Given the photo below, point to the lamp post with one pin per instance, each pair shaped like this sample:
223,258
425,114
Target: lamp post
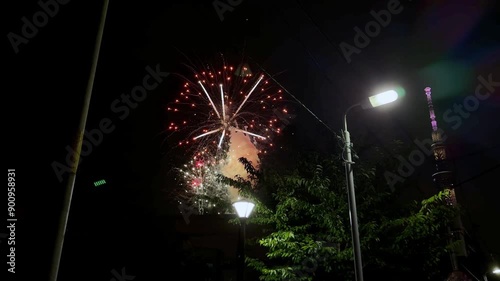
373,101
244,209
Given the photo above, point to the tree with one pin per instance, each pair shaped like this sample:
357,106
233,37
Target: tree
304,216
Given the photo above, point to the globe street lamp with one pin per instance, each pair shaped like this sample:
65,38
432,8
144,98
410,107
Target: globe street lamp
373,101
244,209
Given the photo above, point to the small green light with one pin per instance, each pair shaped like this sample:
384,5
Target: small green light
98,183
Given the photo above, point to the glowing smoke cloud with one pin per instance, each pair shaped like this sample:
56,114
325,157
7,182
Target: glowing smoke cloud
240,145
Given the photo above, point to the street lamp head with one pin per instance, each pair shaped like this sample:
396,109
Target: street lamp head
383,98
243,208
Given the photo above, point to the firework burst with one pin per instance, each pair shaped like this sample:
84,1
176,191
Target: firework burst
217,102
222,114
202,185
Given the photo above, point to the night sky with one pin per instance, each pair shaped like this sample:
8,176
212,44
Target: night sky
448,46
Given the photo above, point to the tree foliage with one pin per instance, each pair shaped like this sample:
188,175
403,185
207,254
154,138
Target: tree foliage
304,216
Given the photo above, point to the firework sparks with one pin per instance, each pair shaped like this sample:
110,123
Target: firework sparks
226,123
225,113
198,171
204,189
218,102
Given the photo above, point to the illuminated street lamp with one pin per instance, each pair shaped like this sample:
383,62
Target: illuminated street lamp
494,271
244,209
373,101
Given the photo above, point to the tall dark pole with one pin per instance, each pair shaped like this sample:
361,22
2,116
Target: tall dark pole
77,146
241,256
353,213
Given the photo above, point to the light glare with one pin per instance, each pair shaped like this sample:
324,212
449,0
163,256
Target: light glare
383,98
243,208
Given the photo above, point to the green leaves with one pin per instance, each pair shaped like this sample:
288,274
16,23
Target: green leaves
306,233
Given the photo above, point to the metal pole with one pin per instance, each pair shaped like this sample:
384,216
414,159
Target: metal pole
241,256
77,146
243,225
353,214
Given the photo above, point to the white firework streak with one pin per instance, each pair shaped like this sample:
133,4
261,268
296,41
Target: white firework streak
225,125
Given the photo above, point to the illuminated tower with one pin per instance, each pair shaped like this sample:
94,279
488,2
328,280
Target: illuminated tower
444,180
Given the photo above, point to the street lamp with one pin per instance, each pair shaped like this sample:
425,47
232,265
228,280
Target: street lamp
494,271
373,101
244,209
